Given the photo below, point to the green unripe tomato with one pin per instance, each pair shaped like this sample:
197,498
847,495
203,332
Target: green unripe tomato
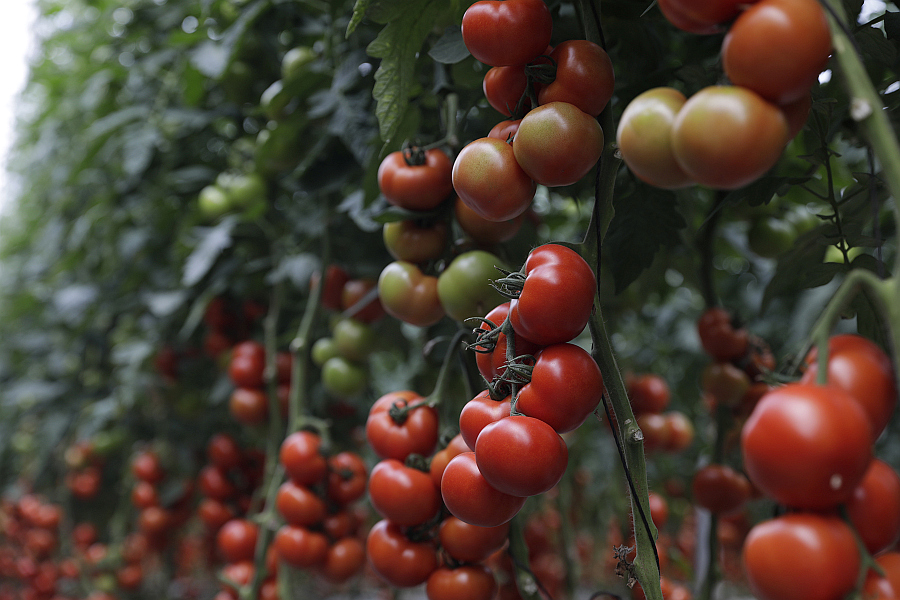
323,349
246,191
770,237
409,294
294,61
353,339
343,379
411,242
464,287
274,101
213,202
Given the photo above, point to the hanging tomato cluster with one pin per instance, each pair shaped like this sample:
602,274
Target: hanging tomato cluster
809,447
553,96
727,136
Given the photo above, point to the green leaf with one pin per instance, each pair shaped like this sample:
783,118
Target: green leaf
644,222
213,240
398,45
801,268
449,49
359,11
212,58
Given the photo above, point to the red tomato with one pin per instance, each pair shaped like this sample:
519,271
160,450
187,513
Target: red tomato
584,77
801,556
236,540
472,582
565,387
681,431
557,297
488,178
471,543
415,186
492,363
224,452
214,483
249,406
416,434
777,48
335,279
557,144
479,412
513,32
724,384
346,477
648,393
504,87
300,547
396,559
704,16
440,459
862,369
645,138
521,456
505,130
726,137
470,498
720,489
352,297
302,459
807,446
248,361
299,505
482,231
143,494
874,507
403,495
719,338
410,295
345,558
887,587
214,513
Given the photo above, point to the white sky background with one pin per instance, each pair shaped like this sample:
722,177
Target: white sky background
17,44
16,41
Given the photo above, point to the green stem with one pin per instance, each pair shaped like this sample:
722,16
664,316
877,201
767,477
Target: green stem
866,107
518,553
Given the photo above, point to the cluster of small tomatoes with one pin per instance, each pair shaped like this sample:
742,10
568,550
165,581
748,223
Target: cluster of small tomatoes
727,136
553,96
664,430
248,402
810,448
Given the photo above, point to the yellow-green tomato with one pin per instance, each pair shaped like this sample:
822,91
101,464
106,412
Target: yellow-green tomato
342,378
294,62
465,287
409,294
323,349
213,202
353,339
413,242
770,237
645,138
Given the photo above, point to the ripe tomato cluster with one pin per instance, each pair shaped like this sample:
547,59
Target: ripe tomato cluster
727,136
553,96
667,431
809,447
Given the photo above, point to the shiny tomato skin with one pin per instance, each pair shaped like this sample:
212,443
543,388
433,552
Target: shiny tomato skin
720,489
410,295
726,137
777,48
470,543
861,368
482,231
807,446
521,456
504,86
249,406
347,477
887,587
711,15
680,19
470,498
396,559
300,547
488,178
874,507
479,412
505,130
584,77
299,505
648,393
302,459
565,387
801,556
236,540
346,557
442,458
513,32
557,144
403,495
418,434
557,297
415,187
644,137
492,363
472,582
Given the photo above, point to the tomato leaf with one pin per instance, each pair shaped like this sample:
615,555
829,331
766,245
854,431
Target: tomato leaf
213,240
359,11
398,45
449,49
801,268
645,221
